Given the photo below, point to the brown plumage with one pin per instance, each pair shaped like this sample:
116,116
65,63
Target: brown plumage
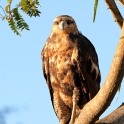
71,70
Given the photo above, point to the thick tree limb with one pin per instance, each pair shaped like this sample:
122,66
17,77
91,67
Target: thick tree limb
115,12
116,117
103,99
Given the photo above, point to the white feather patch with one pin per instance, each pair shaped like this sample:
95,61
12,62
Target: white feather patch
74,55
94,66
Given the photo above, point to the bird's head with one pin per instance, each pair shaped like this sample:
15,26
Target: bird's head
64,24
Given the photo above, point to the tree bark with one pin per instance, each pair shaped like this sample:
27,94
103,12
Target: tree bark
116,117
121,2
115,12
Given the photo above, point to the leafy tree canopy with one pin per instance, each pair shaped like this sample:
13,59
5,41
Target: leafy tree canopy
15,19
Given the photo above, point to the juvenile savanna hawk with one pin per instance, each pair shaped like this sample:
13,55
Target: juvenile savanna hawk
70,67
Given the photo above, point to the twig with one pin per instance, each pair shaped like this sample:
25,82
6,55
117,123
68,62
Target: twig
121,2
3,10
115,12
1,16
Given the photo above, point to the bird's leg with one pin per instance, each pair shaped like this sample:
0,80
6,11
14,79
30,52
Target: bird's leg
75,99
62,111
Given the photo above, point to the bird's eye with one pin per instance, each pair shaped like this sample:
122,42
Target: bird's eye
69,22
56,23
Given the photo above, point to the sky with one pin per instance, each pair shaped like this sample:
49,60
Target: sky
23,89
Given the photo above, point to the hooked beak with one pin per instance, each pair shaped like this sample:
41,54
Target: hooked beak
63,25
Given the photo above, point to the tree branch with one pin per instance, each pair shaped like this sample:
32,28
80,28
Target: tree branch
93,109
121,2
116,117
115,12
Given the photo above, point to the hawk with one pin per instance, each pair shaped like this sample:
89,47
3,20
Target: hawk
70,67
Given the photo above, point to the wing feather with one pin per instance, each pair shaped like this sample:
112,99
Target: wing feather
45,68
87,64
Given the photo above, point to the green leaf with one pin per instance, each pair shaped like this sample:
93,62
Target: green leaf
31,1
119,88
29,7
3,18
15,19
9,1
33,7
7,8
19,21
13,26
95,9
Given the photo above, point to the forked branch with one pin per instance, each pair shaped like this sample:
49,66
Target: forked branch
92,110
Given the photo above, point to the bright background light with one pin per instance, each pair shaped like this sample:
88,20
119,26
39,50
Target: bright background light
22,85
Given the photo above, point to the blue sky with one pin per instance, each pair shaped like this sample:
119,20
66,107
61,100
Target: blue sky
22,85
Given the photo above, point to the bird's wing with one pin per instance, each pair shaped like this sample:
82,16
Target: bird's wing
45,67
88,68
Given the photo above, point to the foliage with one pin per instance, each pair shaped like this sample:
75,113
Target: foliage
29,7
95,9
15,19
